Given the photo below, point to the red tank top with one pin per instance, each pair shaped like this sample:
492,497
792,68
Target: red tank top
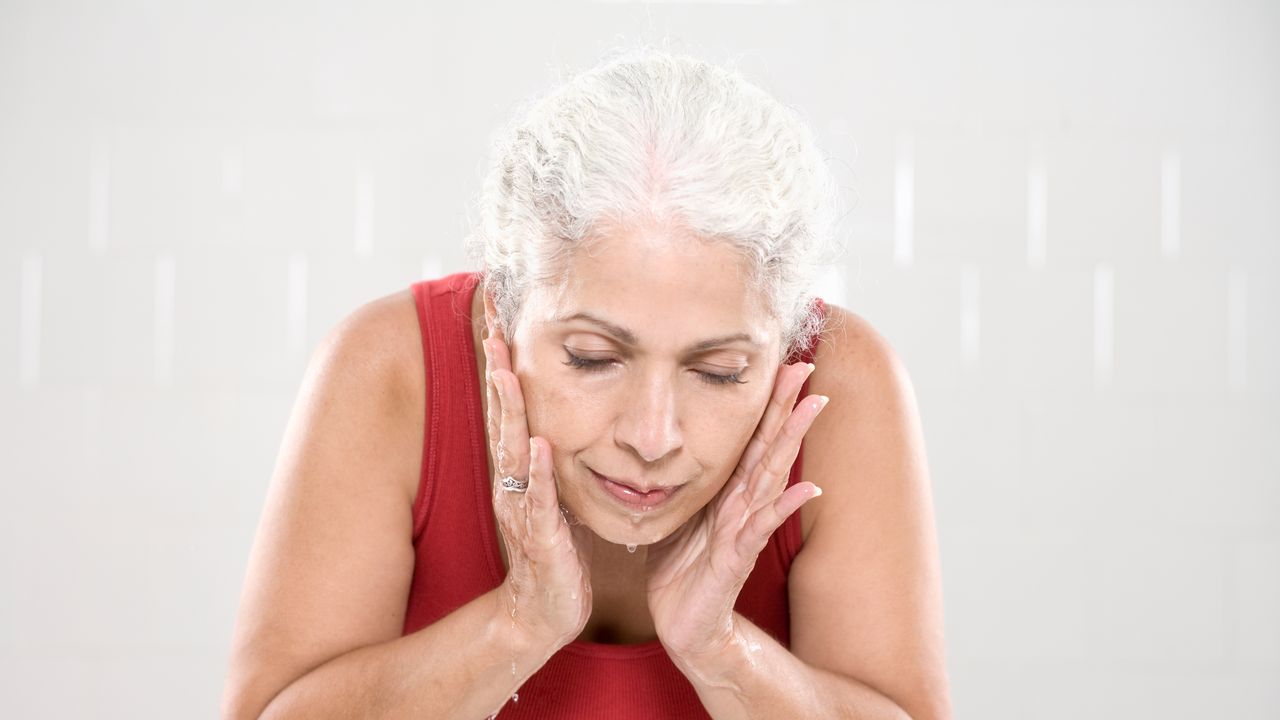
456,542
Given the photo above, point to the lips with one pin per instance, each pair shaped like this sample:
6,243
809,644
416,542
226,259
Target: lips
633,486
632,496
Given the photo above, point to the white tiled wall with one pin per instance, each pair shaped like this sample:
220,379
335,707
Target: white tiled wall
1065,218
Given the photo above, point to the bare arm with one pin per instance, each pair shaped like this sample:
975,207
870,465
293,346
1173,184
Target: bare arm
318,633
458,667
866,588
756,677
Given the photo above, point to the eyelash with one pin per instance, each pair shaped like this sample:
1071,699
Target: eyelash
591,365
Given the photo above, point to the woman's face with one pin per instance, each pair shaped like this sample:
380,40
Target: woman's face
652,366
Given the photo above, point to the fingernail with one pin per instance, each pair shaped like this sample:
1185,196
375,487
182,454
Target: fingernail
822,402
533,451
497,381
812,367
817,491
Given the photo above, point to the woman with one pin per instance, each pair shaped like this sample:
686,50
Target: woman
578,489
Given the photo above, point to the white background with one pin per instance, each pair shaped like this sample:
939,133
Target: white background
1065,220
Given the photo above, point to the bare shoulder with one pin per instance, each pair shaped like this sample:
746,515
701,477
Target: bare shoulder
865,590
382,340
851,345
857,367
385,333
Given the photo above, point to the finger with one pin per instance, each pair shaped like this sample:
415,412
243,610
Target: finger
768,518
507,512
514,432
775,466
501,352
494,405
781,403
544,506
504,504
508,500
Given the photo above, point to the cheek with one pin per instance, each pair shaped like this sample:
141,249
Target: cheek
554,413
720,434
560,412
732,414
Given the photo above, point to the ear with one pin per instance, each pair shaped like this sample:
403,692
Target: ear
490,313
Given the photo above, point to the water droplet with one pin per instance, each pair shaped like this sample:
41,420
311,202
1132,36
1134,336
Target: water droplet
569,517
631,548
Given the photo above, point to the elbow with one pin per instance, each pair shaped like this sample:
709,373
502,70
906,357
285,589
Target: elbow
236,706
939,709
245,700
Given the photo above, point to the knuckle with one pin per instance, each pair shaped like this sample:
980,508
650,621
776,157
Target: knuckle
503,458
768,519
792,428
775,462
779,401
539,499
515,396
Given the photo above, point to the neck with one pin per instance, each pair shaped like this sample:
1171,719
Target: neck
612,562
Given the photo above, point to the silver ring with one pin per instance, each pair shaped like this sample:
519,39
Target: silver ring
511,484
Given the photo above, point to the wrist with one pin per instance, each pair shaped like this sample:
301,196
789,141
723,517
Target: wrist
525,641
713,664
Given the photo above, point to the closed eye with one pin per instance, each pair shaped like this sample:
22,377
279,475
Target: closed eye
594,365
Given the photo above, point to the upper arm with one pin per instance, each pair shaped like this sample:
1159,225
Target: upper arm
332,560
865,589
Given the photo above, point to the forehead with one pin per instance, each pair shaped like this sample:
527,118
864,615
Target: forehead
669,288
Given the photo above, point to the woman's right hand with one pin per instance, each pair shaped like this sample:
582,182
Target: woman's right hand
547,591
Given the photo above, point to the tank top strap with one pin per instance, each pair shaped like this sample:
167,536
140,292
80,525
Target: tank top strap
456,559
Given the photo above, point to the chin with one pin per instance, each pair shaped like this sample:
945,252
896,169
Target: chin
621,525
611,516
621,531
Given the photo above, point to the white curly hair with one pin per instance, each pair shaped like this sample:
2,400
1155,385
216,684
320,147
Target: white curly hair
652,137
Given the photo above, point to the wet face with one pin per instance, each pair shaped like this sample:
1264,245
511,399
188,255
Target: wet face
651,367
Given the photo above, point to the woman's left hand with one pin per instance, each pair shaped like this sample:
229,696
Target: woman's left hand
695,575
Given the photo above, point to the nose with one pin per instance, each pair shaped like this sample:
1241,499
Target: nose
650,425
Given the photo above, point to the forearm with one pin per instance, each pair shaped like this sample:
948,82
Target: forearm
457,667
756,677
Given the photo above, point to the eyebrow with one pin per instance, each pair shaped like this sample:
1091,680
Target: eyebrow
629,338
